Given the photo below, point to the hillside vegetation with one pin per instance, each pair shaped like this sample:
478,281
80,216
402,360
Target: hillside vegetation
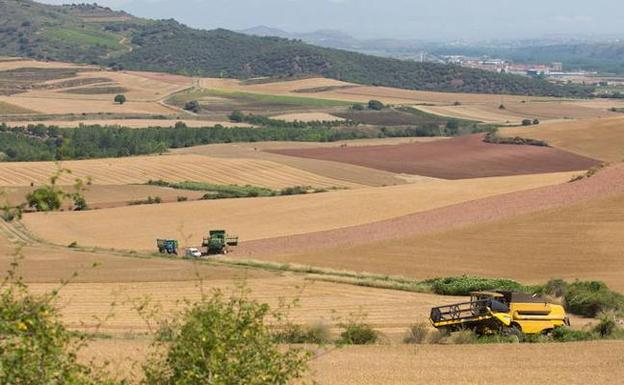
86,33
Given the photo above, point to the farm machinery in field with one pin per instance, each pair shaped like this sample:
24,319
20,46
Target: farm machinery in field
168,246
217,242
504,312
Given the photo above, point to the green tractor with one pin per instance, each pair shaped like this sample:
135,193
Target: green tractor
168,246
218,242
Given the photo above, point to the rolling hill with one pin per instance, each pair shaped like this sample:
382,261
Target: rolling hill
92,34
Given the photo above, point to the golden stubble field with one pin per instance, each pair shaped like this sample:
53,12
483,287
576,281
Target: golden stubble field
597,138
136,227
582,241
173,168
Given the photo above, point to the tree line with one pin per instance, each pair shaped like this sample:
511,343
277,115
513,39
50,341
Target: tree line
46,143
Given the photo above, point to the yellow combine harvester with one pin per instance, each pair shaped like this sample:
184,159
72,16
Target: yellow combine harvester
504,312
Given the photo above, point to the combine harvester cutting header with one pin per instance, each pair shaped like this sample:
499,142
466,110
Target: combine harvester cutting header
504,312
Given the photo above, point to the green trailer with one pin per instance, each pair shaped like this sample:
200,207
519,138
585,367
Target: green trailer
219,242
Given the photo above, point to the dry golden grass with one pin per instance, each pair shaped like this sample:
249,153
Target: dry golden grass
6,65
583,241
261,218
140,88
10,109
99,196
558,364
389,311
167,167
62,104
596,138
131,123
307,117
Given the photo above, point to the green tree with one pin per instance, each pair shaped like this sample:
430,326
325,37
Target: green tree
192,106
237,116
221,341
120,99
375,105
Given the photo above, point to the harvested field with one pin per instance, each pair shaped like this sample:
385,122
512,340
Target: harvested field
457,158
596,138
66,104
308,117
130,123
174,168
557,364
577,363
138,87
390,311
115,195
515,112
10,109
335,170
574,230
260,218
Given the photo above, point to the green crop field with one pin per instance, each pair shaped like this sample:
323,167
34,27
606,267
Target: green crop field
83,36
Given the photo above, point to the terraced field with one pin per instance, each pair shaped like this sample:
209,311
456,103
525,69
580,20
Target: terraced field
174,168
597,138
259,218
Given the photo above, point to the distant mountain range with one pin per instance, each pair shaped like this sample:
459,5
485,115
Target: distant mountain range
396,48
87,33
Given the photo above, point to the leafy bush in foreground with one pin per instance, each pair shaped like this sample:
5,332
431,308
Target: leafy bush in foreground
35,347
222,341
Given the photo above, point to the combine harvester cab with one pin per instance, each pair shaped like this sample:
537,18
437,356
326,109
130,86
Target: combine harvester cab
219,242
504,312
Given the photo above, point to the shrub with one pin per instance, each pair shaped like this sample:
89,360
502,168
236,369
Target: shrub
608,324
357,107
222,341
237,116
556,288
589,298
536,121
527,122
317,333
149,201
35,346
417,334
296,190
357,332
565,334
192,106
375,105
465,284
464,337
182,199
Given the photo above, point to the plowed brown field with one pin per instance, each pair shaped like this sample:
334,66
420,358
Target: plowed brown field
596,138
257,218
167,167
457,158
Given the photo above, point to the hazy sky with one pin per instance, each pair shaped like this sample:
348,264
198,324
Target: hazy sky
414,19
